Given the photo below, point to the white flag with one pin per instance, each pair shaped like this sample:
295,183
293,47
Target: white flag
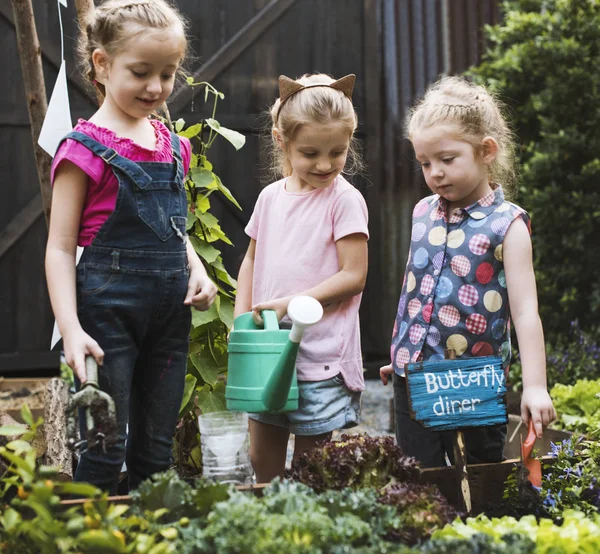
57,122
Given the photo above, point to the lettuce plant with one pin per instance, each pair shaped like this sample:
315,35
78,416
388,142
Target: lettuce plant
292,518
480,543
167,491
421,508
578,406
354,461
578,532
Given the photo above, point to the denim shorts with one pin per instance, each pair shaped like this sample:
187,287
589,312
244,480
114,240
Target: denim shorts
323,407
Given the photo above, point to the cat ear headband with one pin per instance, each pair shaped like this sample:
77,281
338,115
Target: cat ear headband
288,87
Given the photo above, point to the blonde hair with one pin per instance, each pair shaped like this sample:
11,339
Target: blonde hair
317,105
477,114
109,27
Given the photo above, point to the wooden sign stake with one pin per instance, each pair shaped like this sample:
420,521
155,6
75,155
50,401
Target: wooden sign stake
460,458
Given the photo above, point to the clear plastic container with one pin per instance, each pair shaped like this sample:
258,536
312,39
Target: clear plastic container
225,443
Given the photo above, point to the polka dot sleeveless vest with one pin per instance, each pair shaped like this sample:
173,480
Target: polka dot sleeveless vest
454,293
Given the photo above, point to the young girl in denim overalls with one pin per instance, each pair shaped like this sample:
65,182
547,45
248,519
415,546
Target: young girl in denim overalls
119,193
470,266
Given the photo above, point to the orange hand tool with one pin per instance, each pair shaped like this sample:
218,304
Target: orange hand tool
533,466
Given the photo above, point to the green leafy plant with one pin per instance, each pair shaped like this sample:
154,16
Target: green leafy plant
571,481
208,346
294,519
576,533
578,406
421,508
181,499
33,521
480,543
207,359
543,60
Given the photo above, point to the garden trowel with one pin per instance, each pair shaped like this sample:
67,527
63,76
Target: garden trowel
99,412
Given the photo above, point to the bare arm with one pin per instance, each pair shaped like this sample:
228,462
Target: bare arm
349,281
243,299
70,187
522,294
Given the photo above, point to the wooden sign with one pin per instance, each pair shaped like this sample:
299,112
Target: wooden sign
453,394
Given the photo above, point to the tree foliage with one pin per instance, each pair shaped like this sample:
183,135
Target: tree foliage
544,61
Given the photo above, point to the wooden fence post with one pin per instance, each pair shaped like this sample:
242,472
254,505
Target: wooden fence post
56,397
30,53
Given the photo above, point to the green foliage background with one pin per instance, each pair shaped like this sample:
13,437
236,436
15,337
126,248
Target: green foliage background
544,61
207,358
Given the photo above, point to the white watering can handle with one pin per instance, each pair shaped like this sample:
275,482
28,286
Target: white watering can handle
303,311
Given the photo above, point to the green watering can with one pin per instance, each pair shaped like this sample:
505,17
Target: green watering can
261,374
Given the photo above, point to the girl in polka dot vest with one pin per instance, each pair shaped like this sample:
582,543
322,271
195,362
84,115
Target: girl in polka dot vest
470,265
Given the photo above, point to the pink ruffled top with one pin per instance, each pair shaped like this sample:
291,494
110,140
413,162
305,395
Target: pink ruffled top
103,186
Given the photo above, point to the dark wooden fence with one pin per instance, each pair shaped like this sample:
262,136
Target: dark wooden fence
396,47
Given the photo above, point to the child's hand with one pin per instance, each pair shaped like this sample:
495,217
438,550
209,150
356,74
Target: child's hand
385,372
201,290
537,405
77,345
279,305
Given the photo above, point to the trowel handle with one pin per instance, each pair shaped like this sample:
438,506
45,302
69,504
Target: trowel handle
533,465
91,371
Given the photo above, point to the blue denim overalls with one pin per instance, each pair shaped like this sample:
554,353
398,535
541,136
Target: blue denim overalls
131,284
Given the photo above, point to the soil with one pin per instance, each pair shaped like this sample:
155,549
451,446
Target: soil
105,428
13,399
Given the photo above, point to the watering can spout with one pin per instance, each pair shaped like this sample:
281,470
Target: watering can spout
303,311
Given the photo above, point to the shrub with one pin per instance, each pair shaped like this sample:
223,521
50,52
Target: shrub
544,60
574,356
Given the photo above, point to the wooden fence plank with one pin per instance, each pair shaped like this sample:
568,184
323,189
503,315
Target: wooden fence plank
232,49
51,54
20,224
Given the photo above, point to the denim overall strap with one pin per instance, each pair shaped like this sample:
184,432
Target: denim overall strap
176,146
131,169
151,208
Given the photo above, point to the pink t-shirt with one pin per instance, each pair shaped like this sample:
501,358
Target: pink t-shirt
103,186
295,236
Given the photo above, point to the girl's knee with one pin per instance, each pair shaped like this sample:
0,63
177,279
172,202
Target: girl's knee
304,443
268,449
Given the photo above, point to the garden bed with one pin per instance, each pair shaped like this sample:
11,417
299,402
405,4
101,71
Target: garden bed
16,392
486,482
512,448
